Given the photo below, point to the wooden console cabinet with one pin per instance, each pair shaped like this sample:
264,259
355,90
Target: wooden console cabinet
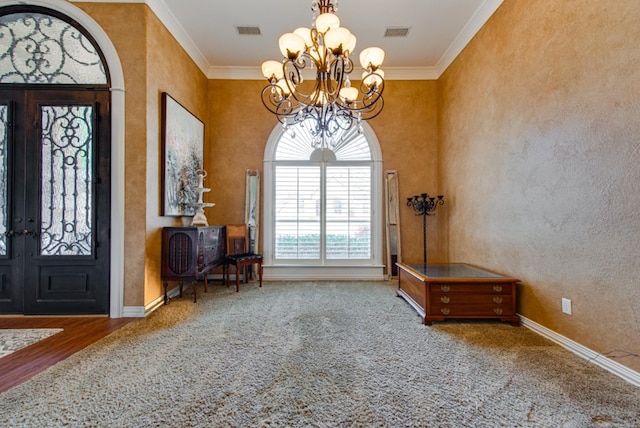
457,290
190,253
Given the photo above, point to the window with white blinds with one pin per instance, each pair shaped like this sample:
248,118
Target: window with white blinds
297,212
348,212
323,207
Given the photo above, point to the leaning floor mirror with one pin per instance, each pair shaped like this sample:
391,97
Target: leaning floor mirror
252,208
392,222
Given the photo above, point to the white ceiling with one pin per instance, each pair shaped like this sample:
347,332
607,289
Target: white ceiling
438,31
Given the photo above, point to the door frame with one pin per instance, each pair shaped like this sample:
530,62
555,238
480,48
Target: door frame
116,74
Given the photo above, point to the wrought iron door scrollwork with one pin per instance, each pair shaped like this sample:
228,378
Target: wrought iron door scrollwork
67,184
44,49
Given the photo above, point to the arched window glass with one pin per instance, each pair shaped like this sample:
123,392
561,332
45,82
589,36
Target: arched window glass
324,200
296,144
39,48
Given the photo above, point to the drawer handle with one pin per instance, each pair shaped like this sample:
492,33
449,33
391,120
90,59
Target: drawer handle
498,311
444,288
497,288
497,300
445,311
444,299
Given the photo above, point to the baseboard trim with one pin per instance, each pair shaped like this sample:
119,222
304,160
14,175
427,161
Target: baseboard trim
144,311
133,312
590,355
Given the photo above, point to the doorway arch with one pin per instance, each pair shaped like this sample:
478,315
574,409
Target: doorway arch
116,285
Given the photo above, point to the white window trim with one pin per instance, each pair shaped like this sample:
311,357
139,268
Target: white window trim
356,270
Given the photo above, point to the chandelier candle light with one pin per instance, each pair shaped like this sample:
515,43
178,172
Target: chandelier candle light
329,103
423,205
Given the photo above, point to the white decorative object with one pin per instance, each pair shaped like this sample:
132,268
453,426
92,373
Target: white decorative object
200,219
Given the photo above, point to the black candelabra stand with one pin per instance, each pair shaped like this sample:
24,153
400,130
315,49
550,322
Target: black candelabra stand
424,205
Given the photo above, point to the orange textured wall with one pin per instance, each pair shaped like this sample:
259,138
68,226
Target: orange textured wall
407,130
239,127
153,62
170,70
125,24
539,136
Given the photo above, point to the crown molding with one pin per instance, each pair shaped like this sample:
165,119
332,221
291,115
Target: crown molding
235,73
168,19
254,73
163,13
479,18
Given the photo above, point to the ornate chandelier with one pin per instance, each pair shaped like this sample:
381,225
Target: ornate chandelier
330,103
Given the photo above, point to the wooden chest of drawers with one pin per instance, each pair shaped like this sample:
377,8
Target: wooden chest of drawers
441,291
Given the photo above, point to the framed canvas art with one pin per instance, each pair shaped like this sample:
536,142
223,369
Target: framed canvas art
183,145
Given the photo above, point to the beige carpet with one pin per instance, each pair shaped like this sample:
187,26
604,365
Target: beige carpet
318,354
13,339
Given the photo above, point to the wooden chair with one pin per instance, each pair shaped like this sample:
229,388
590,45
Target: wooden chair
238,254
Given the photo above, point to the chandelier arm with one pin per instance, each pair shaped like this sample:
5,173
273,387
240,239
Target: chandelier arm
316,48
339,68
291,73
294,79
323,6
343,119
370,94
369,111
346,66
369,98
285,108
272,97
376,78
311,119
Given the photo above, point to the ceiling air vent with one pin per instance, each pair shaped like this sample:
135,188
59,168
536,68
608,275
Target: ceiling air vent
248,30
396,32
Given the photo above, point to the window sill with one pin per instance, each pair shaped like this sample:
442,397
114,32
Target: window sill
308,273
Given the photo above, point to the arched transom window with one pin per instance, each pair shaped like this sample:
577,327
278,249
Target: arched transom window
39,48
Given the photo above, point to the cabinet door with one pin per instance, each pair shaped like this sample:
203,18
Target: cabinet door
179,253
212,241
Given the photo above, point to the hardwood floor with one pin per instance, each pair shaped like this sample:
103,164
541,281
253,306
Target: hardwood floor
78,333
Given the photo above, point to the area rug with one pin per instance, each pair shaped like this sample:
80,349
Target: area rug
318,354
12,340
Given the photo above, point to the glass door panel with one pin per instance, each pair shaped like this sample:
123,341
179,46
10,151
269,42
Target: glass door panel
67,181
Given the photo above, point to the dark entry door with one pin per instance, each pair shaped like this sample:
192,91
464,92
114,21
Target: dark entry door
54,201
